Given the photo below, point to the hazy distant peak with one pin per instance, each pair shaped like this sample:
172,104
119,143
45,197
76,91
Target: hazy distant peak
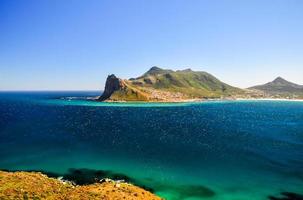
279,79
280,86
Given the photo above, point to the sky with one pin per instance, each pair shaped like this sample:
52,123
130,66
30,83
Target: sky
75,44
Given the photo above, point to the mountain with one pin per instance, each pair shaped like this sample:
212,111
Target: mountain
167,85
280,88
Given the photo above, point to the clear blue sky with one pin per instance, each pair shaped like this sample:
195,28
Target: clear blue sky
75,44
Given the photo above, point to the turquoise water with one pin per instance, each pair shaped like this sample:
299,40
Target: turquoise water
240,150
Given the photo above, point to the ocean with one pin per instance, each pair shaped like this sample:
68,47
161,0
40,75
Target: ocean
217,150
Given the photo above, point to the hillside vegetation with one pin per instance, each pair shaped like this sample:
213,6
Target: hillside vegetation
166,85
34,185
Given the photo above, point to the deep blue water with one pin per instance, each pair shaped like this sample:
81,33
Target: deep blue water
211,150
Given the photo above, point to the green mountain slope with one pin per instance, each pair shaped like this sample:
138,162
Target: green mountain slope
166,85
192,83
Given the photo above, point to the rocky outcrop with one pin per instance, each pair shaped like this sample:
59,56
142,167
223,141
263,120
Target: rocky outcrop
117,89
112,84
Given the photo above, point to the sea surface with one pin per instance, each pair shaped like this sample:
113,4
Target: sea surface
219,150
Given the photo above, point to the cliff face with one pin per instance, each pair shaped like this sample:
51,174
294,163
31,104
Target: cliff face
112,84
117,89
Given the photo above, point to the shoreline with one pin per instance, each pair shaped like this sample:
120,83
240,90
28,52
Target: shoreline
269,99
204,100
36,185
88,101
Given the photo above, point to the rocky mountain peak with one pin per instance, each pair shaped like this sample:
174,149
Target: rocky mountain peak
112,84
280,80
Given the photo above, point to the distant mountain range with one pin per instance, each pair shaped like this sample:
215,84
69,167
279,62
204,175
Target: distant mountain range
280,88
166,85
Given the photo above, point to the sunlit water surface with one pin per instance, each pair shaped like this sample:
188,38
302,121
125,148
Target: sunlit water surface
240,150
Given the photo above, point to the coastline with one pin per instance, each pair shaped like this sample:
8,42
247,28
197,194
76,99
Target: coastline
92,101
204,100
36,185
268,99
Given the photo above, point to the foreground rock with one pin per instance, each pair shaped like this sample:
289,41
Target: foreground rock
35,185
